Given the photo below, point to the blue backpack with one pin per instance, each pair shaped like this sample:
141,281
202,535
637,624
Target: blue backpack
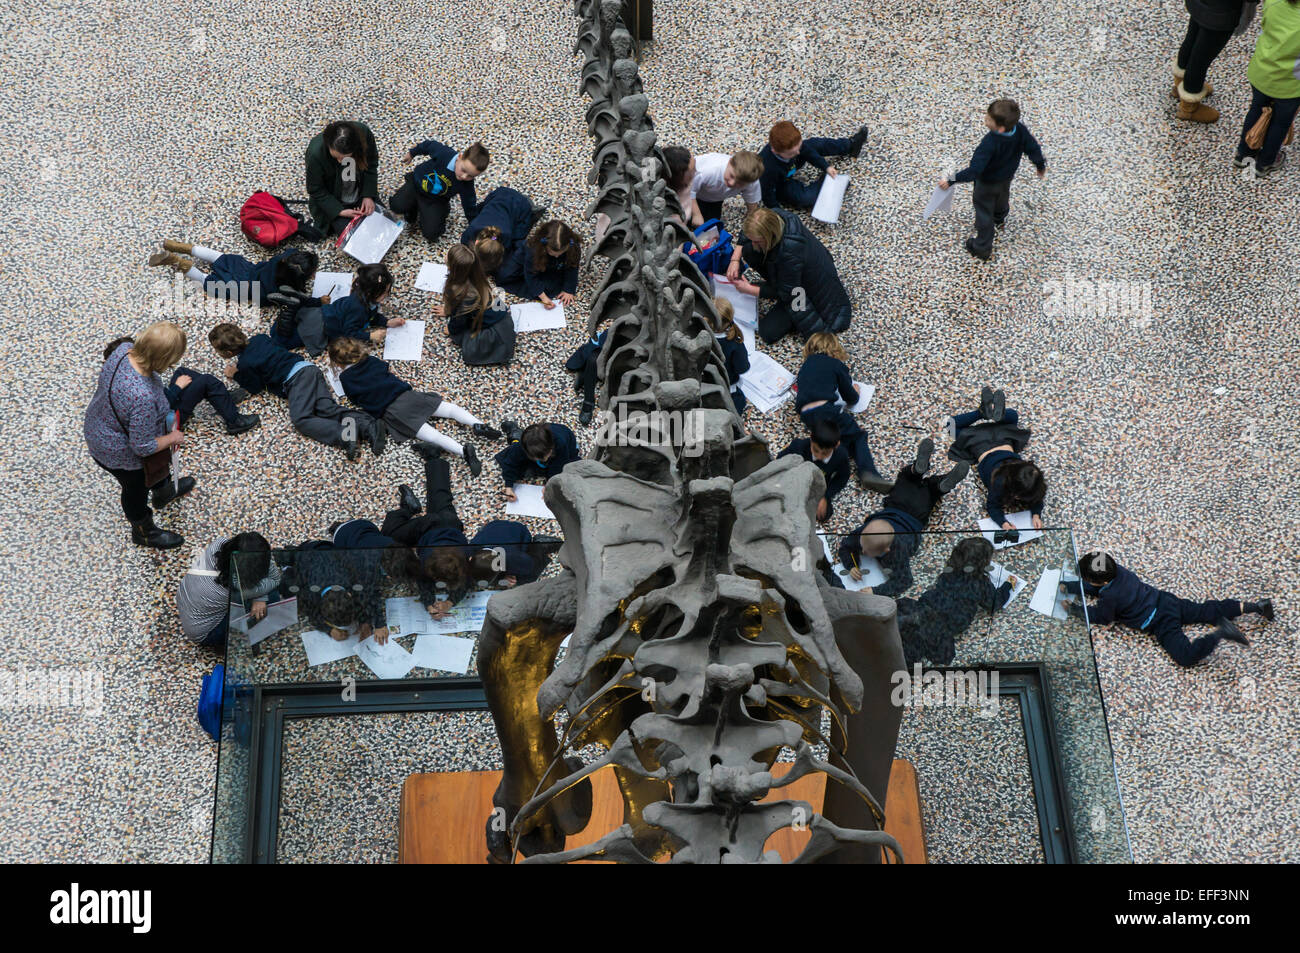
716,256
210,702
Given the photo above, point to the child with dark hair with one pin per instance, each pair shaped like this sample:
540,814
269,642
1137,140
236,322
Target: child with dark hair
823,377
892,534
991,440
311,323
342,175
1124,598
787,151
503,221
679,173
735,355
505,553
259,363
541,450
204,596
822,448
544,267
235,278
371,385
930,623
337,592
425,197
992,168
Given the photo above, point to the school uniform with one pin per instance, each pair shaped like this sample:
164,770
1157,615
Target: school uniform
825,378
896,564
201,387
778,183
320,566
203,603
976,436
265,365
736,358
517,467
992,168
835,468
372,386
348,317
515,542
506,209
930,624
236,278
425,197
333,186
585,362
517,274
1128,600
709,187
799,261
493,344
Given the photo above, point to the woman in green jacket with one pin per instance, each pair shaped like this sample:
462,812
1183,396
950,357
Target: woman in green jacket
342,175
1275,81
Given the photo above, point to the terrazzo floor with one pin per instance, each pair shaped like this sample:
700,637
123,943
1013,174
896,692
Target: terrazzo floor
1167,438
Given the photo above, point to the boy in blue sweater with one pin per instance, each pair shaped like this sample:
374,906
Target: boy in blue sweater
425,197
787,151
1124,598
822,448
993,167
541,450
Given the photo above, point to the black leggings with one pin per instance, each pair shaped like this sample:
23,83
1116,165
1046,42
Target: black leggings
1200,48
135,495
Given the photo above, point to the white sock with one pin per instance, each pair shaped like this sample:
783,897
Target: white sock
196,276
457,413
205,254
440,440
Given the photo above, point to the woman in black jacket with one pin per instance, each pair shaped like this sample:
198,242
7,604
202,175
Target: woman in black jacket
798,275
1210,24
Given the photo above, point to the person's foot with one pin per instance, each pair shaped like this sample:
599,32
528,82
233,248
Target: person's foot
1000,224
585,414
163,258
546,540
333,528
378,437
949,426
873,481
425,451
1262,171
857,142
171,491
145,533
970,247
350,448
242,424
181,248
999,408
471,458
986,402
953,477
239,395
1228,631
540,212
514,433
407,501
485,432
1265,608
1240,162
924,450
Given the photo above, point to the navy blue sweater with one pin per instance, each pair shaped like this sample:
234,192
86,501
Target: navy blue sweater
1126,599
736,356
351,317
897,562
836,469
371,385
517,276
823,377
995,504
777,170
361,534
264,365
507,209
441,183
516,465
512,538
997,157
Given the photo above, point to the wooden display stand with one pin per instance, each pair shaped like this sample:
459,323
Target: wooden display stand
443,815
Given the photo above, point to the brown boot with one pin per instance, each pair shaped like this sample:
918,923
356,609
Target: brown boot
1192,109
159,259
181,248
1178,78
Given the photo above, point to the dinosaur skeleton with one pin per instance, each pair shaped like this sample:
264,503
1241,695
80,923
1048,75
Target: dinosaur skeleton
704,640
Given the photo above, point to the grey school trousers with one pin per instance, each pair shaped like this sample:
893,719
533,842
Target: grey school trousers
316,414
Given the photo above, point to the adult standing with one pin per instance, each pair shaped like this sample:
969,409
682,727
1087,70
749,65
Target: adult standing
129,419
798,276
342,175
1210,25
1274,74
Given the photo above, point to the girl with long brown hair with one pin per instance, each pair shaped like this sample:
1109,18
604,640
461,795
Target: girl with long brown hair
545,267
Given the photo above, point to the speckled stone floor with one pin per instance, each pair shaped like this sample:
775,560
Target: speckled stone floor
1169,440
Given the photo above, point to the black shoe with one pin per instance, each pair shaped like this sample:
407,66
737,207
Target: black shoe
145,533
1228,631
986,402
242,424
514,433
873,481
999,405
1263,170
924,450
350,448
333,528
168,491
239,395
426,451
1265,608
485,431
408,502
585,415
378,437
857,142
1000,224
953,477
539,213
471,458
286,325
970,247
545,540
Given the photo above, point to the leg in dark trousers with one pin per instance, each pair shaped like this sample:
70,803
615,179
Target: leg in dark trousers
709,209
1172,613
1284,112
775,323
1002,204
135,495
204,387
914,495
339,224
315,413
855,439
430,213
587,378
440,508
989,198
1200,48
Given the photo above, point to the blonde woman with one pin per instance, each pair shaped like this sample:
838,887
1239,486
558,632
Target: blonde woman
129,418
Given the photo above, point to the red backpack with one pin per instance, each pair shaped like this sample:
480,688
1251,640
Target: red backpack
268,221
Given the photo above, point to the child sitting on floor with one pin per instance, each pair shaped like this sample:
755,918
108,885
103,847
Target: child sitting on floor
734,352
824,376
929,624
484,334
541,450
822,448
991,440
787,151
544,267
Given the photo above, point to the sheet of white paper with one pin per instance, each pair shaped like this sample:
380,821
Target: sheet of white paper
998,575
444,653
370,241
467,616
534,316
745,307
565,643
279,616
1022,521
1047,598
336,284
389,660
865,393
872,575
406,616
529,502
432,277
332,378
321,648
940,201
405,342
830,199
766,383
